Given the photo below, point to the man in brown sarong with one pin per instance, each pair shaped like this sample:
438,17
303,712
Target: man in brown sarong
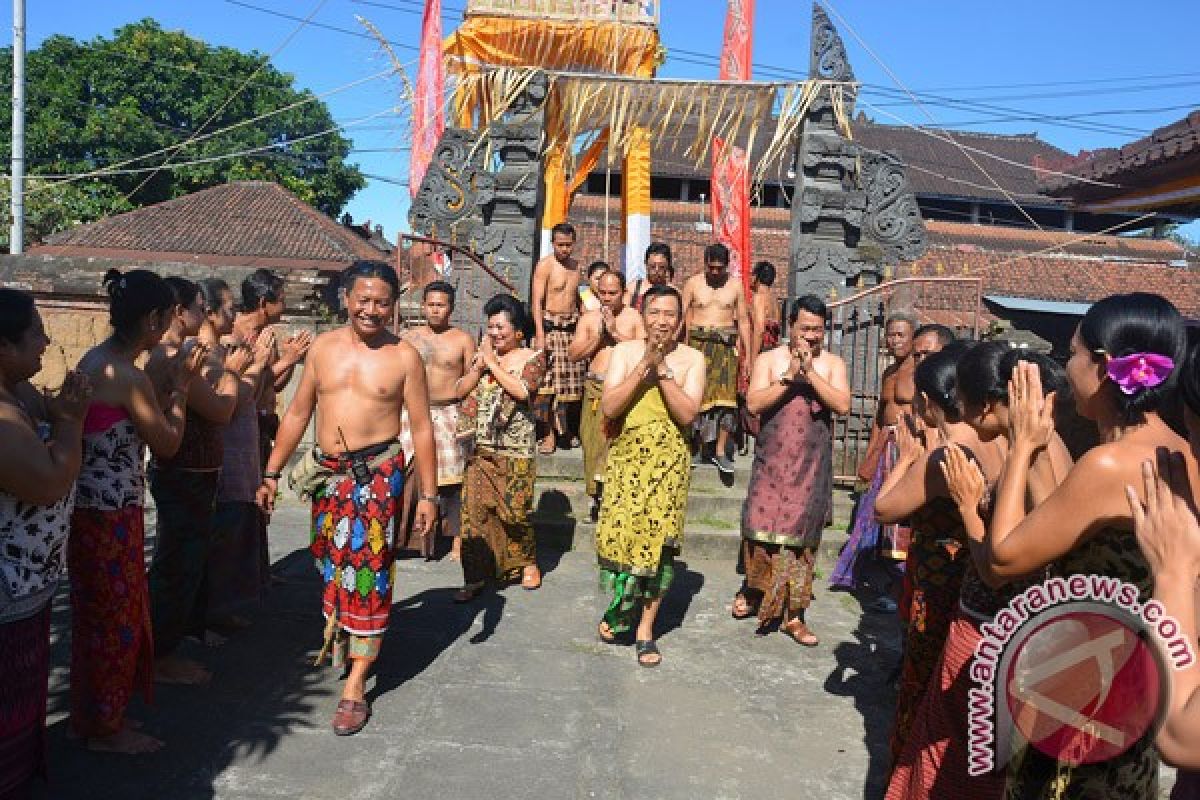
555,307
446,352
599,331
718,325
795,389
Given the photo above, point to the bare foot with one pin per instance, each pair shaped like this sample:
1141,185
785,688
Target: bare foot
178,671
129,742
456,550
130,723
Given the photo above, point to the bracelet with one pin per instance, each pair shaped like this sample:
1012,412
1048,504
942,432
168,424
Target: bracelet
273,476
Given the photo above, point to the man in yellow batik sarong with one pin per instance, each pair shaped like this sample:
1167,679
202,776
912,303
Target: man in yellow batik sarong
652,393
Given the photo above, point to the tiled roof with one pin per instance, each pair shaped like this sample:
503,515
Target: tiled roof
1027,240
1061,277
255,221
1177,140
937,164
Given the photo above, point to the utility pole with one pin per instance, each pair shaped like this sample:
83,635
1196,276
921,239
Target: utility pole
17,236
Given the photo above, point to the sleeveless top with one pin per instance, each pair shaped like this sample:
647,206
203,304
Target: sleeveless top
499,423
113,474
32,551
202,446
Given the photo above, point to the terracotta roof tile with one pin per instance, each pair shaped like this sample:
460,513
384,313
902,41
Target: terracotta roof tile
247,219
1177,140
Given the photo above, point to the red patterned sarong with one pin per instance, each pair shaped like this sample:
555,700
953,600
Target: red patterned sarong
112,651
933,763
24,669
352,541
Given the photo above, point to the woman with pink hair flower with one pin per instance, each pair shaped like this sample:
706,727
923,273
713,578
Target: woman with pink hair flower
1121,371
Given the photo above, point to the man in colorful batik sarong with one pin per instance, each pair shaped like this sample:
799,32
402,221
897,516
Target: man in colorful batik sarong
447,352
896,394
652,394
795,390
554,305
599,331
363,376
718,325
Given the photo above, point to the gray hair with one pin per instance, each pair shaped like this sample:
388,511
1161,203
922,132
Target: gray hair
901,316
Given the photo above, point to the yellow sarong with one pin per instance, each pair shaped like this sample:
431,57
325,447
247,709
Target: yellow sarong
591,435
646,479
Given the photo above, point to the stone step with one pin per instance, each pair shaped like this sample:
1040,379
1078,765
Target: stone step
561,496
569,464
565,532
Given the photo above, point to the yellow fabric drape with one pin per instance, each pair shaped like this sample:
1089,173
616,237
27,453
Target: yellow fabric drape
591,46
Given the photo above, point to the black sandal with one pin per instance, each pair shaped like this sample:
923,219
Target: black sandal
467,594
647,647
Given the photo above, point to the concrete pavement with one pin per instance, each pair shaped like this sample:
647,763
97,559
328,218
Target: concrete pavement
512,697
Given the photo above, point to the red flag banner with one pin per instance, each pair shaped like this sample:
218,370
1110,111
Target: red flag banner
428,116
731,206
730,176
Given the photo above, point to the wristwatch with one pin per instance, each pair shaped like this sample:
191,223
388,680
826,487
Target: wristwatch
431,498
666,374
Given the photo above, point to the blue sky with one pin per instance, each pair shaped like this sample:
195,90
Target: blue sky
1125,74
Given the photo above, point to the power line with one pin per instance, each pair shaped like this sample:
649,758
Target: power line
335,28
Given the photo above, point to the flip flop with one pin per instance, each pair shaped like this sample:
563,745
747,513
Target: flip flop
647,647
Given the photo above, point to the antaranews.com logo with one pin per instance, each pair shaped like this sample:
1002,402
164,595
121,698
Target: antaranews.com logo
1071,666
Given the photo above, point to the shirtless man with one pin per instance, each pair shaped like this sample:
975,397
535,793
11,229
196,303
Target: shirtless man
446,352
717,323
555,309
358,380
764,335
598,332
659,272
897,389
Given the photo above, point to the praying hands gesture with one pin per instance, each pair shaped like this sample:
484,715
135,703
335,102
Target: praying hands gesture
70,403
486,355
909,443
801,359
294,348
1030,413
188,363
652,359
964,479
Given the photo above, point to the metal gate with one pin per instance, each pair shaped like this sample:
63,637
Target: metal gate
856,333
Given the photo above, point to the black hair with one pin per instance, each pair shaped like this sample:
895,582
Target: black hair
442,287
16,314
1189,379
134,294
661,291
660,249
371,269
1139,322
261,286
937,378
1053,376
718,253
979,376
597,266
564,228
944,335
212,289
620,276
514,309
185,291
764,273
810,303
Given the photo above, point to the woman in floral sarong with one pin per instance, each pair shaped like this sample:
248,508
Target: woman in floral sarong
39,459
1125,355
916,490
111,644
497,537
933,758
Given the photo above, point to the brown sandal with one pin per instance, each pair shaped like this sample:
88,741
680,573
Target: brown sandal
800,633
742,609
351,717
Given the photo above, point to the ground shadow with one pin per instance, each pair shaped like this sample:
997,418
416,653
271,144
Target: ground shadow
424,626
684,588
264,689
863,672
